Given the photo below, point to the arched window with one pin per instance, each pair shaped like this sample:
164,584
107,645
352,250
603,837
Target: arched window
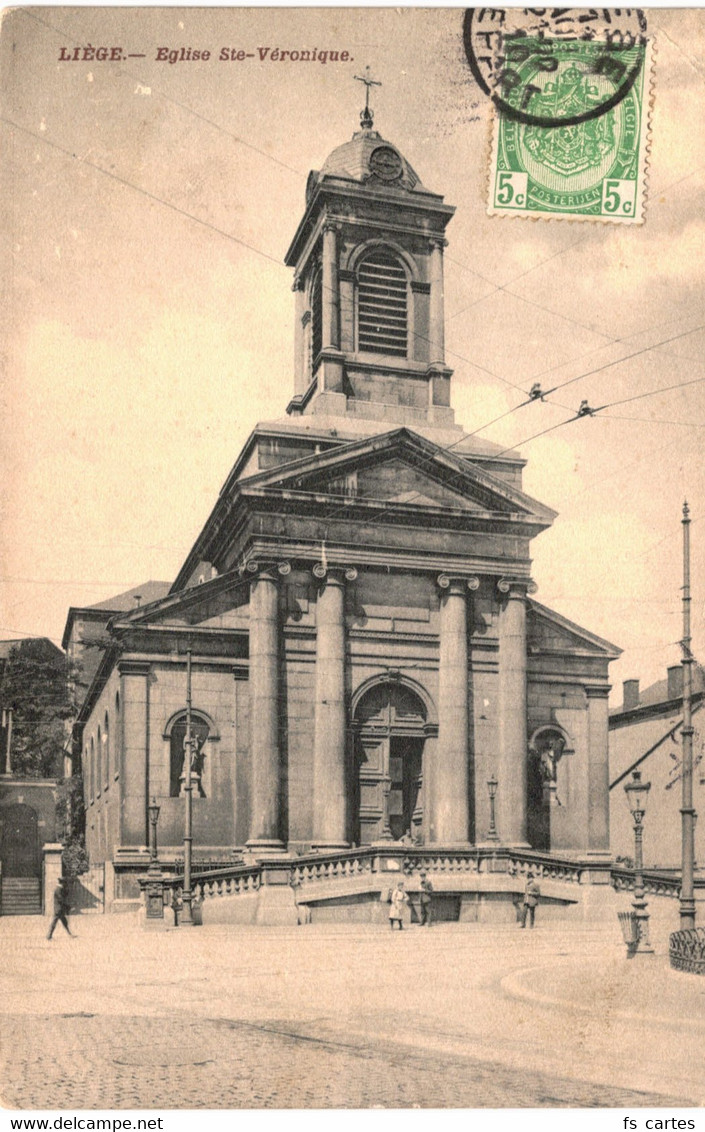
382,305
199,732
106,756
316,315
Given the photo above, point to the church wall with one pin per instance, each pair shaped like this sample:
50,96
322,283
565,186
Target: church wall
102,796
213,694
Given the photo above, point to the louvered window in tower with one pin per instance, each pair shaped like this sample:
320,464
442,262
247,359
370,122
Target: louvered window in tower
382,305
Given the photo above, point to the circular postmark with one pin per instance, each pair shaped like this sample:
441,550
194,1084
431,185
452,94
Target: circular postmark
524,59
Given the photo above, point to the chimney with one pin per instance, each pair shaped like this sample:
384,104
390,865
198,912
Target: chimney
675,681
630,695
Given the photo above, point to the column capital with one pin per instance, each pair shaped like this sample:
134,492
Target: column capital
134,667
517,588
271,570
298,284
331,226
438,242
455,583
334,574
598,691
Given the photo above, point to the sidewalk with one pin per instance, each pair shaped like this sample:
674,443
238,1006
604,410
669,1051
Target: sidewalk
559,1005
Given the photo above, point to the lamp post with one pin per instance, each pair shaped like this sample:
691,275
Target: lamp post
492,785
186,917
154,889
637,793
153,811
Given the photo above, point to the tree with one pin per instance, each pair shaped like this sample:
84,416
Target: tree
35,685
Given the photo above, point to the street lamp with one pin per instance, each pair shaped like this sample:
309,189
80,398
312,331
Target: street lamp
153,812
154,888
637,793
492,785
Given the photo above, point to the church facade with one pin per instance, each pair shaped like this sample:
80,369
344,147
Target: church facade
369,663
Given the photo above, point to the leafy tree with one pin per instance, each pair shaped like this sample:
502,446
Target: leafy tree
71,820
35,685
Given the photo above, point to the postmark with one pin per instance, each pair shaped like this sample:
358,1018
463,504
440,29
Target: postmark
507,48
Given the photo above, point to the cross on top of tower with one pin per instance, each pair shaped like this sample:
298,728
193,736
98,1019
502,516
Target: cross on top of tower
367,115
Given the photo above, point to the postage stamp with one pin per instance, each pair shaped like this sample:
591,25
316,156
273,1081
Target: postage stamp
571,124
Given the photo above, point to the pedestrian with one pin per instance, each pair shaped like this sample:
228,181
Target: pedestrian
61,907
397,900
425,901
532,893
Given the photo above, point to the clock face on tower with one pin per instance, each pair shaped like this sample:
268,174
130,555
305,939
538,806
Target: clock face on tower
385,162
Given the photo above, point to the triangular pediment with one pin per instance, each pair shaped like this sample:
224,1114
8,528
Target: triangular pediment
548,631
220,603
402,468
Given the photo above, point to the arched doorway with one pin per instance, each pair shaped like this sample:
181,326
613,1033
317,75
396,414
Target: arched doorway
19,841
390,725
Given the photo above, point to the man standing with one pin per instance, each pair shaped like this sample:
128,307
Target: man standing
425,901
61,907
531,899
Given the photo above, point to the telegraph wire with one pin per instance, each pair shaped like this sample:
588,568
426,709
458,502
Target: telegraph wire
586,411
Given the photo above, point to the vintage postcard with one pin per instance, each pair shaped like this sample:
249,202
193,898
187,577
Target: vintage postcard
351,646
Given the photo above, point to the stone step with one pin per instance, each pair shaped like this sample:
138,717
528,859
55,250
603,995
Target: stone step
21,896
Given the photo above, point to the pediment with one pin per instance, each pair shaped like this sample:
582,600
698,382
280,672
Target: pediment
220,603
403,468
548,631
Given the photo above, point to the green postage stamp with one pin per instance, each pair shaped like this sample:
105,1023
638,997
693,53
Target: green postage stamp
571,134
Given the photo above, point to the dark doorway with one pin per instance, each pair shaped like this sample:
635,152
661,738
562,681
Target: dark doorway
19,841
405,776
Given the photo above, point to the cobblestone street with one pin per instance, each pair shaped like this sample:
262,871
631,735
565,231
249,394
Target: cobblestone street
337,1016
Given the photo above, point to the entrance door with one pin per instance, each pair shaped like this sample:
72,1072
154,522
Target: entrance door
405,783
390,722
19,841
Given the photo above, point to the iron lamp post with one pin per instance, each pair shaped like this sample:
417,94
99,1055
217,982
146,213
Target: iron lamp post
154,888
492,785
637,793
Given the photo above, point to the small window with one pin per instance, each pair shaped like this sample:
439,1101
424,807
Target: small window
382,305
99,764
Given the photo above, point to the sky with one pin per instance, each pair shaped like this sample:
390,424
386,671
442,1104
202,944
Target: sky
148,315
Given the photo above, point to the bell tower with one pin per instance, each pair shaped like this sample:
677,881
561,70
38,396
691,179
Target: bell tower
368,278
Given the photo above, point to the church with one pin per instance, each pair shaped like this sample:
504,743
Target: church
370,666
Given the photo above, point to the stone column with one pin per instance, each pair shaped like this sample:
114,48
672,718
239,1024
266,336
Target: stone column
330,288
265,787
329,746
598,799
513,751
436,320
449,809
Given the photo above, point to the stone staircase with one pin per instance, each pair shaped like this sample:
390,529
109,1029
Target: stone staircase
21,896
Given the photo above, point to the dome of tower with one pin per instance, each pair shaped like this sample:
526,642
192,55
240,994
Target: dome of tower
368,158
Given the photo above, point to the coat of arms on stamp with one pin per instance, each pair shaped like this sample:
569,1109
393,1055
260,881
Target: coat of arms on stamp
585,169
571,94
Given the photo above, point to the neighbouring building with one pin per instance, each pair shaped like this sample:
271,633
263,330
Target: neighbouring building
28,782
366,648
646,735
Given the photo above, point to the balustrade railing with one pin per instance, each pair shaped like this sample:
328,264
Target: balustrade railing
315,867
